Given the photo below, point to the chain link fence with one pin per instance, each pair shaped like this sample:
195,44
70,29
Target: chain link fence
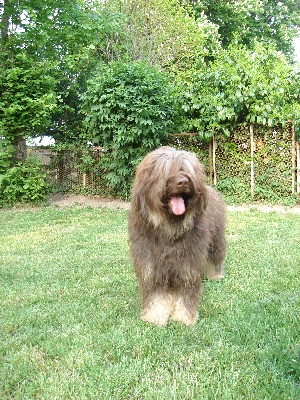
72,170
227,161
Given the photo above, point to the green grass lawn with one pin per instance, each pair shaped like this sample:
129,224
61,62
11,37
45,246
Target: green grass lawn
69,313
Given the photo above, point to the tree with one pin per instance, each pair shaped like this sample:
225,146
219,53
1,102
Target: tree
60,41
97,36
267,21
27,101
161,33
27,87
242,86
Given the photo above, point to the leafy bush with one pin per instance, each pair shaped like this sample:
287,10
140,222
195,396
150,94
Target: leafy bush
129,110
6,155
23,183
27,97
234,190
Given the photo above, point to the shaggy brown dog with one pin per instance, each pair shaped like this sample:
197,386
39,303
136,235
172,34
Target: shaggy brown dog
176,231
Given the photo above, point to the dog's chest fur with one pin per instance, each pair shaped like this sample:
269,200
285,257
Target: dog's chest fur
178,260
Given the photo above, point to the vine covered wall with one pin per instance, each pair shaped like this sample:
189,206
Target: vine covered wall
271,161
231,170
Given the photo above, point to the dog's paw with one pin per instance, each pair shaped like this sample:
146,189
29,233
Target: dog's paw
187,319
158,309
155,316
183,315
215,276
213,272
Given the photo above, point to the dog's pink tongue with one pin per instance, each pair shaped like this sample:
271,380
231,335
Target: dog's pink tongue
177,205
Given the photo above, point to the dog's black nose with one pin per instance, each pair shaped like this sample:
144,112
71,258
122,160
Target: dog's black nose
182,181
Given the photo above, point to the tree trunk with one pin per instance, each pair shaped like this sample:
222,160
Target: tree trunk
252,159
20,153
298,167
293,160
5,23
214,158
210,162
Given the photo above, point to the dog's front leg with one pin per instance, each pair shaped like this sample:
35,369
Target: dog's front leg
186,303
157,306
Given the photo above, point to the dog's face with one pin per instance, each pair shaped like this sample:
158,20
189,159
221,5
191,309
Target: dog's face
178,193
169,184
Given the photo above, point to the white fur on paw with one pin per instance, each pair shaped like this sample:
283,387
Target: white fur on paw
182,314
153,317
215,276
213,272
158,311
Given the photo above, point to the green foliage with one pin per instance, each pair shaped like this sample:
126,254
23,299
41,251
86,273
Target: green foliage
235,190
168,37
23,183
240,85
129,110
6,156
86,161
94,33
49,51
272,22
27,98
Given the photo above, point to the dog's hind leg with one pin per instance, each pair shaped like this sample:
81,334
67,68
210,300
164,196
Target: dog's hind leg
213,271
214,268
